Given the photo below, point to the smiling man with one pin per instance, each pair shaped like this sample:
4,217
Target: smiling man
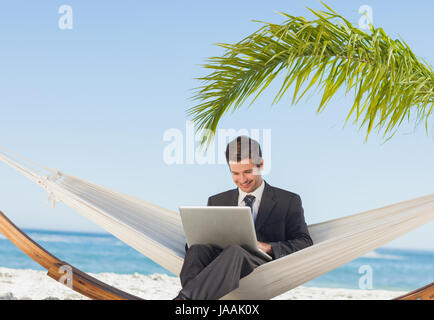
210,272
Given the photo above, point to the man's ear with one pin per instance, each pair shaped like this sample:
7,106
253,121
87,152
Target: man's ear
259,168
229,166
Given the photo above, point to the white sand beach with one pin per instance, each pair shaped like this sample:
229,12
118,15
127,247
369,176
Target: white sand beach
25,284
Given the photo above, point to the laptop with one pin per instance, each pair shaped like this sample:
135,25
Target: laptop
221,226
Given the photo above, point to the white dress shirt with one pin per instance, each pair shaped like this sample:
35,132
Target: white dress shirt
258,195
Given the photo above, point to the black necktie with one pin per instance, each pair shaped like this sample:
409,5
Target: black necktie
248,200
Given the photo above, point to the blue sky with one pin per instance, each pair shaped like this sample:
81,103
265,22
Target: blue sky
95,102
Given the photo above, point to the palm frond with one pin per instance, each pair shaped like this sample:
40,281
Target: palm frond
387,79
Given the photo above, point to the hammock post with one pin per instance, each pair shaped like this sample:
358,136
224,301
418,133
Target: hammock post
74,278
424,293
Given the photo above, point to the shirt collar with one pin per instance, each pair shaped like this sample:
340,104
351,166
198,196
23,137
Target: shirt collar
257,193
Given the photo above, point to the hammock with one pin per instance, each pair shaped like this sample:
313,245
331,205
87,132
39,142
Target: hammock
157,232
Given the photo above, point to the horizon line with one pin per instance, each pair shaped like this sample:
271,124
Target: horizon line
106,233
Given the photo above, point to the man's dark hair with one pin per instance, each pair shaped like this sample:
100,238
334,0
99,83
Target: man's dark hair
243,148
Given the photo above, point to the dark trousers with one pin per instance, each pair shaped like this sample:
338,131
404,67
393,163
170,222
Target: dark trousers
209,273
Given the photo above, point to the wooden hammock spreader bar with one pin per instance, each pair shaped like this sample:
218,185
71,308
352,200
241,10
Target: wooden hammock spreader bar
59,270
424,293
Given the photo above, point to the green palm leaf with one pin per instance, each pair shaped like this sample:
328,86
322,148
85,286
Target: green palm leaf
328,53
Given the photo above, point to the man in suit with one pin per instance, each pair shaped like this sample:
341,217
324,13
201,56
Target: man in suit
210,272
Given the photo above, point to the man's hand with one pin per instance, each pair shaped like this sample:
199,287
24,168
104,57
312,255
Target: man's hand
266,247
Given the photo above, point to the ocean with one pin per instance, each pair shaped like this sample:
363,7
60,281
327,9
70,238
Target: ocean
381,269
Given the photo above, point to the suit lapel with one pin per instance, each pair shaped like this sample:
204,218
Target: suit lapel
267,204
234,198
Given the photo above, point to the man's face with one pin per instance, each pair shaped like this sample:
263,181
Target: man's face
246,175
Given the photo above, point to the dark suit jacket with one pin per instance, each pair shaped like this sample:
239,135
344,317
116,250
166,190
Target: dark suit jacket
280,220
